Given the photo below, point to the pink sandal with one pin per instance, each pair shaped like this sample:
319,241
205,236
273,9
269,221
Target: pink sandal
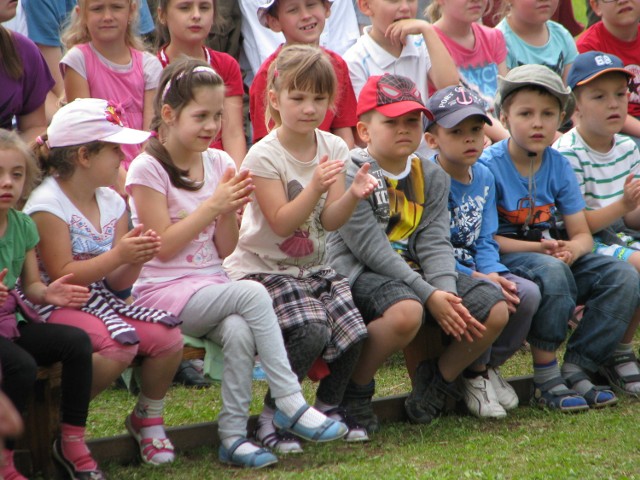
149,447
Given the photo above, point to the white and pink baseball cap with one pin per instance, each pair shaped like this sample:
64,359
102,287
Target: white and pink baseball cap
88,120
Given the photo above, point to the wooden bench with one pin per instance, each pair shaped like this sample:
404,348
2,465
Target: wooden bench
42,419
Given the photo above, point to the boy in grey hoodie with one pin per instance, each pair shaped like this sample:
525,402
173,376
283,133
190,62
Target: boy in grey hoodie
395,250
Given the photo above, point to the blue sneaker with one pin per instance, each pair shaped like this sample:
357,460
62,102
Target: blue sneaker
329,430
257,459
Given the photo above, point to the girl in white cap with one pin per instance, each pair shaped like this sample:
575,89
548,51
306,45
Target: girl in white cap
83,230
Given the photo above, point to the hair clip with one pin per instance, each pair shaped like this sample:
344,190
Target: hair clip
39,140
153,134
196,69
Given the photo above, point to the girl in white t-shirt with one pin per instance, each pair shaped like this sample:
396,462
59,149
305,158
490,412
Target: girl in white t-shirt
190,194
298,172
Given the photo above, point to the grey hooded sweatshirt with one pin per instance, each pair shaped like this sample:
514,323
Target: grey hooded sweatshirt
363,243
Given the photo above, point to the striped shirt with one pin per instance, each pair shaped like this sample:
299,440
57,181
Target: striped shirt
600,175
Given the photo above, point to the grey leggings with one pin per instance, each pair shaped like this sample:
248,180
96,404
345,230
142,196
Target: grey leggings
239,316
304,345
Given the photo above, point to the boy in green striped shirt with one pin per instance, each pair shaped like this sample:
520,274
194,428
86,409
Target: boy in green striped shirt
607,166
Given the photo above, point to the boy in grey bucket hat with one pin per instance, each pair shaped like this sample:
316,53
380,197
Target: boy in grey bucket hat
532,75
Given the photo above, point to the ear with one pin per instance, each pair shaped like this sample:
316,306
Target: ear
595,6
273,23
432,141
327,9
273,99
161,15
167,114
133,6
363,131
504,119
561,121
83,157
364,7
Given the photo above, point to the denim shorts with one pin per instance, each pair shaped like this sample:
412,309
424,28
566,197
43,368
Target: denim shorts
374,294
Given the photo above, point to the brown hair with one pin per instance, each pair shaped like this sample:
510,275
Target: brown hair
176,89
12,141
61,161
9,58
76,31
505,104
300,67
163,36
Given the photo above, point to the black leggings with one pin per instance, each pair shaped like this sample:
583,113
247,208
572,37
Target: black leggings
45,344
304,345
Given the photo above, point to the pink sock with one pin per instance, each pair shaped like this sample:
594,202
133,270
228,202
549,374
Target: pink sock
74,448
7,468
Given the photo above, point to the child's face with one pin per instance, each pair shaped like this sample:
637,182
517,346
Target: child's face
391,139
199,121
464,11
7,9
384,12
460,145
622,13
532,119
533,12
301,21
300,111
13,172
601,105
188,21
104,164
107,20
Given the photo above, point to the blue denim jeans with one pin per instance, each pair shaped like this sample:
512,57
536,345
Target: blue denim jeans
609,289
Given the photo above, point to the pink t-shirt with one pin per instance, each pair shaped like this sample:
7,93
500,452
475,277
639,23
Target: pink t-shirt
478,67
169,285
597,37
227,67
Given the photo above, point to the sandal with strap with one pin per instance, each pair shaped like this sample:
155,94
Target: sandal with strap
619,382
149,447
564,400
71,468
598,396
257,459
356,433
327,431
278,441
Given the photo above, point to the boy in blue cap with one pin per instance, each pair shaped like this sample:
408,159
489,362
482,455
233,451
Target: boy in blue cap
607,166
457,134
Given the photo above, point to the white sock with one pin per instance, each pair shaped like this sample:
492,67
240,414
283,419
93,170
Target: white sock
265,422
290,405
583,386
244,449
149,408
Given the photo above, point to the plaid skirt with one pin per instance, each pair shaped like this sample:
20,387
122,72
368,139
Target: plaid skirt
323,297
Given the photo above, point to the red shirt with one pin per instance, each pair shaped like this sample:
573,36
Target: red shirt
344,114
597,37
227,67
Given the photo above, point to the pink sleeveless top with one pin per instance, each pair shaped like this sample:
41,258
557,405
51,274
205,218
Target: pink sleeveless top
125,89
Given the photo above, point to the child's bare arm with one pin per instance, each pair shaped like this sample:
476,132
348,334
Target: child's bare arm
340,203
631,126
232,138
621,208
147,108
286,216
580,240
345,133
231,193
443,72
75,86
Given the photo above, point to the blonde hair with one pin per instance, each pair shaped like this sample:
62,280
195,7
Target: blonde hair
76,31
300,67
12,141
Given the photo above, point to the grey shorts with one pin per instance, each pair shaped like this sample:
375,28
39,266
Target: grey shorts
374,294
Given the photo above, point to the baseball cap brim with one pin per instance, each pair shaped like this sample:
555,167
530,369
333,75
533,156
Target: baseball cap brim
452,119
602,72
127,136
397,109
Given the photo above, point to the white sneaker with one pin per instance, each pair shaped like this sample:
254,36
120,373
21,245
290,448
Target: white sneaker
481,398
506,394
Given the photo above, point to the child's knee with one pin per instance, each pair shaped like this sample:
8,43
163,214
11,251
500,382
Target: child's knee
405,317
498,316
235,335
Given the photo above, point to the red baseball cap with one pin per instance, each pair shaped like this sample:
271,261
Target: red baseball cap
391,95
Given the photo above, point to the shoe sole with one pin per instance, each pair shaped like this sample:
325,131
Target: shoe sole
545,406
62,461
